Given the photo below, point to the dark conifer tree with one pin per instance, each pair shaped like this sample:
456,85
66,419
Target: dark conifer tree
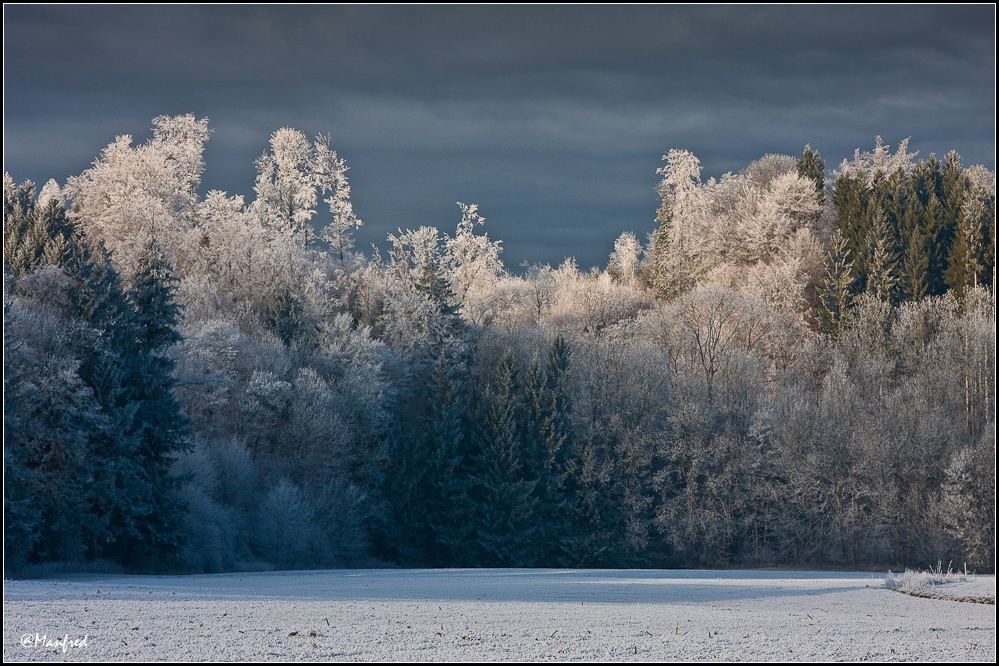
34,235
546,433
444,435
913,267
938,216
968,262
286,316
159,425
836,297
433,285
882,262
811,166
850,200
119,487
663,283
500,498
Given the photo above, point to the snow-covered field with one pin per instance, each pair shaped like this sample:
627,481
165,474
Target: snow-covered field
491,614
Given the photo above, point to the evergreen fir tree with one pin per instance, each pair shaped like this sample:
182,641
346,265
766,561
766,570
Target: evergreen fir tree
953,188
556,431
914,268
158,422
836,297
432,284
97,314
937,244
915,261
547,431
850,198
882,279
444,437
811,166
501,499
426,482
286,316
18,200
662,281
939,189
966,262
34,235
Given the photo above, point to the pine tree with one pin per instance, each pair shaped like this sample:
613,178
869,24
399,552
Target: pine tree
914,267
812,167
933,226
547,440
836,297
286,316
966,263
99,338
34,234
662,281
501,501
158,423
939,189
20,243
882,263
850,200
444,436
915,260
432,284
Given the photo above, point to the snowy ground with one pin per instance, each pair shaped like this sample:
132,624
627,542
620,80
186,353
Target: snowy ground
506,614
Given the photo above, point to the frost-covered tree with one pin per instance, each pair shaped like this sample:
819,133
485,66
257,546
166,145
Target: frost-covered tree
969,496
132,194
671,243
764,171
240,266
331,175
473,264
35,234
425,409
50,421
624,261
701,330
765,220
412,252
285,187
285,527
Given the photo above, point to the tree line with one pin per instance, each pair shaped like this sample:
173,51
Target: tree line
796,367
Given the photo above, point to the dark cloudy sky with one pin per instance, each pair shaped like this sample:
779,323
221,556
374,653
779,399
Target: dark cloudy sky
553,119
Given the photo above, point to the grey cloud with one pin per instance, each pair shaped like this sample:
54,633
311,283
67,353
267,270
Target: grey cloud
551,117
